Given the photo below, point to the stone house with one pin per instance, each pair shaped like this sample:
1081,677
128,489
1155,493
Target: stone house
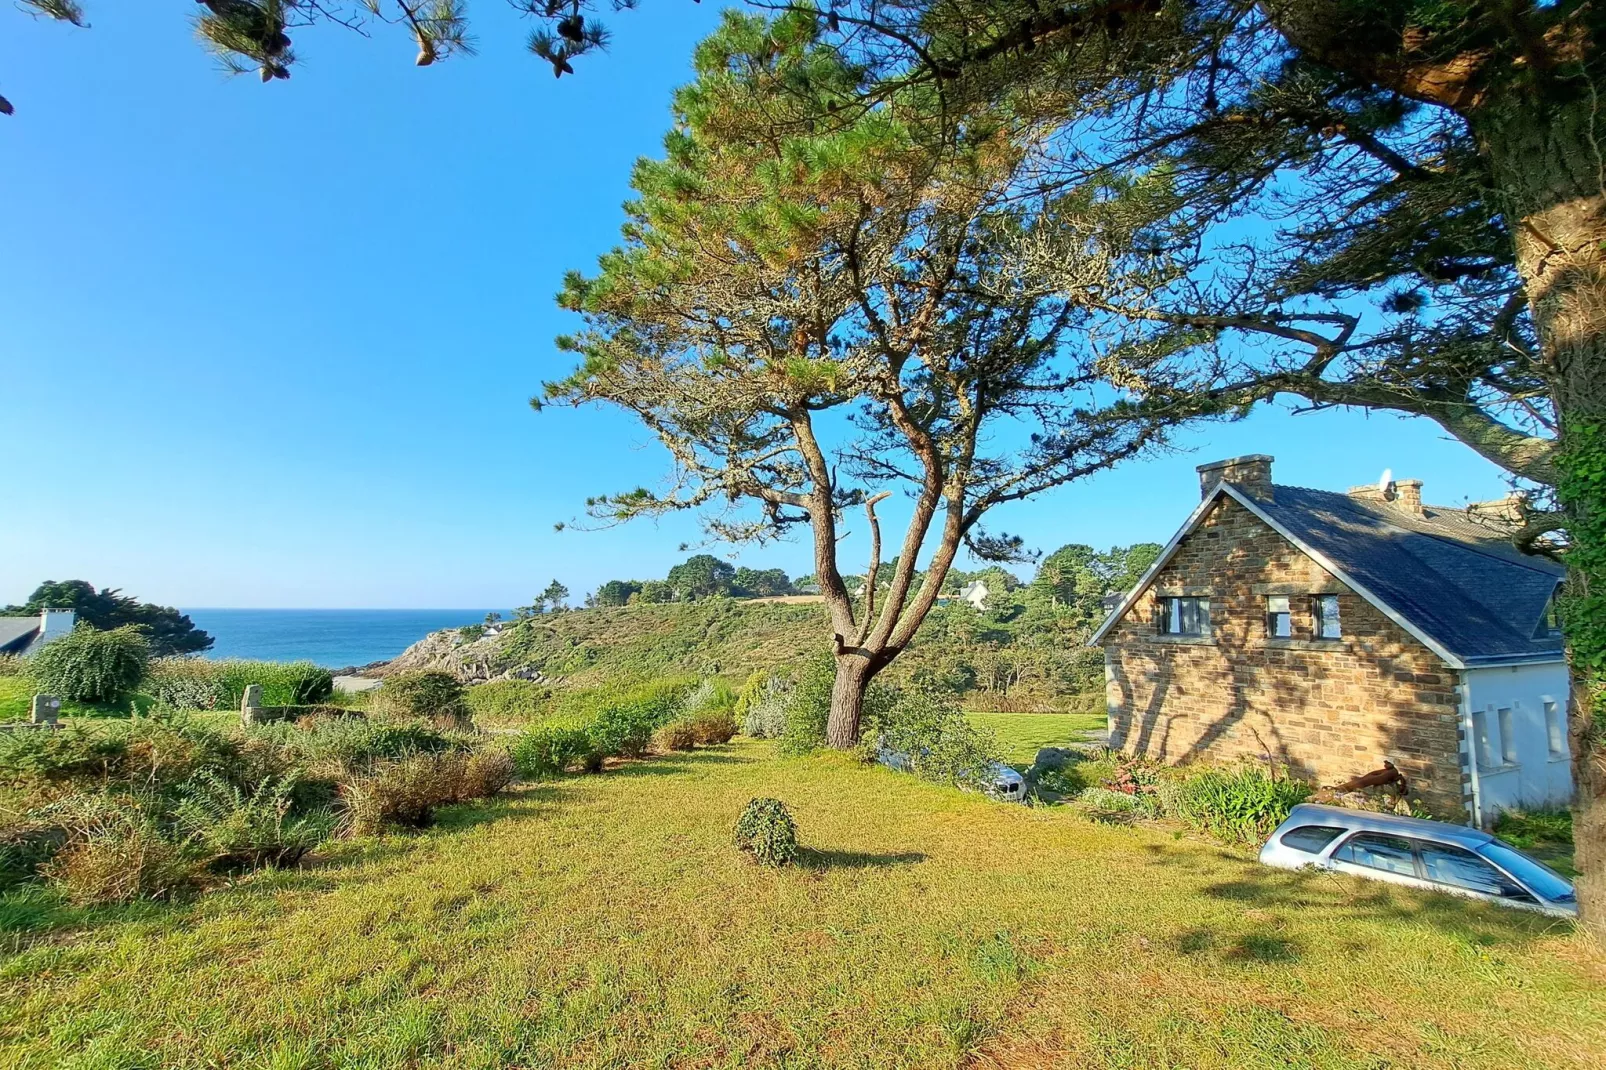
1333,632
24,635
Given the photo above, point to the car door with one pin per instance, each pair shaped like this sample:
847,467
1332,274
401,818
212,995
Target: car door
1378,856
1447,867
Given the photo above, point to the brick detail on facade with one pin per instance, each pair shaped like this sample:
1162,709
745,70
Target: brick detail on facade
1328,709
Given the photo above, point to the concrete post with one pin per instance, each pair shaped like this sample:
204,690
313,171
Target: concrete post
250,704
45,709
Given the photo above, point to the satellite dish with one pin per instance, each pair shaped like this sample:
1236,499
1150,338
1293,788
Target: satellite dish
1385,483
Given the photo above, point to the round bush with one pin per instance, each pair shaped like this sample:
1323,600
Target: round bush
767,832
676,735
87,665
548,750
427,693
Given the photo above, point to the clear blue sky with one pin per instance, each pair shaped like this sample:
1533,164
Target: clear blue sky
272,345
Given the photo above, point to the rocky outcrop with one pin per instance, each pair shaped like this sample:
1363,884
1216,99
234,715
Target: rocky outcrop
473,661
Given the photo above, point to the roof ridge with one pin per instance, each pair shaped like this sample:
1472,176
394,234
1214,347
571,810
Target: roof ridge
1363,505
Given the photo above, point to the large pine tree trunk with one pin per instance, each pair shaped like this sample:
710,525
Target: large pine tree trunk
853,674
1547,165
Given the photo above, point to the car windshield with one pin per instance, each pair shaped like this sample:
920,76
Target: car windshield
1536,875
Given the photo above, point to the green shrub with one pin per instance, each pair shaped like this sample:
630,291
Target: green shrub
13,665
115,852
238,828
406,792
353,741
766,830
153,753
763,712
507,700
712,727
1238,804
808,706
713,695
1108,803
548,750
626,721
425,694
86,665
940,742
1526,829
676,735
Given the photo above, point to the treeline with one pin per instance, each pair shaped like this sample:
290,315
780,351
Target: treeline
1022,647
699,576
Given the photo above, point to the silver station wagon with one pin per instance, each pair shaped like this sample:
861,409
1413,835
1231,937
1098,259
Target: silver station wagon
1421,854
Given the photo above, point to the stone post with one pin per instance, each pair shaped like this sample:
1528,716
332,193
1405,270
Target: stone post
251,704
46,709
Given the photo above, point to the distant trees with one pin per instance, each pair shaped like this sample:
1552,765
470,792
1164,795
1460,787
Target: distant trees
616,592
552,600
761,583
166,630
701,576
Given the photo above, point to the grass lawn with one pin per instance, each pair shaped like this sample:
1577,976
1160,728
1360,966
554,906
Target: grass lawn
1024,734
608,922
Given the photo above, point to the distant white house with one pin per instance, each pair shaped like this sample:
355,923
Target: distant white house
24,635
975,593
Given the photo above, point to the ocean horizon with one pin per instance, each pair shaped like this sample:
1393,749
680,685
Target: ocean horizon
333,638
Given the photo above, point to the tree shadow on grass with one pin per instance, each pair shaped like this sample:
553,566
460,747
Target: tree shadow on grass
1484,924
819,861
674,763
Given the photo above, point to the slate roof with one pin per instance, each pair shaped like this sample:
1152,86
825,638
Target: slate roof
18,632
1458,584
1457,580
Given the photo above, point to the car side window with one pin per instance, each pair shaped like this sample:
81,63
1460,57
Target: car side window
1374,850
1312,839
1457,867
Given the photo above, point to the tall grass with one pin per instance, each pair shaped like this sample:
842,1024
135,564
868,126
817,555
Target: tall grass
204,684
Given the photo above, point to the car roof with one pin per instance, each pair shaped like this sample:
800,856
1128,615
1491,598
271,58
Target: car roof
1399,825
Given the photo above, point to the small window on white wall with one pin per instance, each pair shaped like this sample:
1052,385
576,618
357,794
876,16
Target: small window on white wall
1555,729
1480,739
1508,740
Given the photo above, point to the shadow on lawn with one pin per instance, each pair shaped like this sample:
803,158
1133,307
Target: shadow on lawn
1260,888
811,858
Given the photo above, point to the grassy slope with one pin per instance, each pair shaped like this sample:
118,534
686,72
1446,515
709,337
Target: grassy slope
607,921
1022,735
590,646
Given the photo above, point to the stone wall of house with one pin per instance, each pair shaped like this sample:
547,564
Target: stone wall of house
1328,709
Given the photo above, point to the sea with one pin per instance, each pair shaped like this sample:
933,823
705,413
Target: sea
333,638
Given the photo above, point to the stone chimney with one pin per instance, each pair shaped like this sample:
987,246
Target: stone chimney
1408,496
1251,474
1402,494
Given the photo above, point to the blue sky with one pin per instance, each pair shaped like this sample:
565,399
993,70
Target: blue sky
272,345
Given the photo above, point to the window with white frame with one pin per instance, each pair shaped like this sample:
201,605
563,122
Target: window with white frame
1185,616
1279,617
1508,738
1324,617
1556,729
1483,745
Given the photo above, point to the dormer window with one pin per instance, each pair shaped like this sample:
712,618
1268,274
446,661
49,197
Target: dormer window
1184,616
1324,617
1550,623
